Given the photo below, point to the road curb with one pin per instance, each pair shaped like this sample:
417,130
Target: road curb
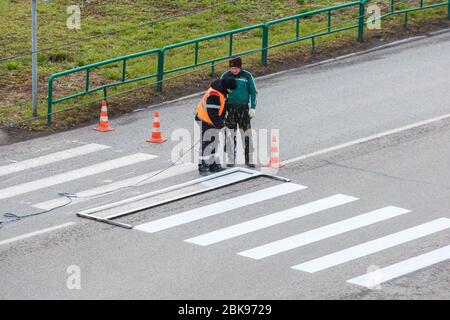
435,33
350,55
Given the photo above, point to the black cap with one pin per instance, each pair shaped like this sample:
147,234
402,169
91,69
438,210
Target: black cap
229,83
236,62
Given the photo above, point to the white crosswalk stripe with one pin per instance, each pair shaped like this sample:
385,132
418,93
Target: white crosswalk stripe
74,175
373,279
50,158
240,229
325,232
311,236
141,180
219,207
271,220
374,246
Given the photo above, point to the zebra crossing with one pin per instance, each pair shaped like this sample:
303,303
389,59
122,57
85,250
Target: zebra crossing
275,193
84,176
51,158
323,233
96,192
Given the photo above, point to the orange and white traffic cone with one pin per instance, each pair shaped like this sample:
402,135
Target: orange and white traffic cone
104,122
274,161
156,136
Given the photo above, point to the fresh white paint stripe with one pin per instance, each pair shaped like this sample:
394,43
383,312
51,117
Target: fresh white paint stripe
271,220
35,233
51,158
402,268
237,176
325,232
219,207
96,192
74,175
374,246
366,139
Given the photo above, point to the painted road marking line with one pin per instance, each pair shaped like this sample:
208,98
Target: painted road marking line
96,192
325,232
366,139
402,268
36,233
271,220
74,175
374,246
51,158
219,207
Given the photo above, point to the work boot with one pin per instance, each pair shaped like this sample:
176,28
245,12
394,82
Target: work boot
248,163
215,167
230,163
203,169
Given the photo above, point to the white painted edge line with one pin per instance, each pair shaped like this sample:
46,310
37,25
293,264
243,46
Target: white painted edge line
35,233
372,279
367,139
99,191
51,158
374,246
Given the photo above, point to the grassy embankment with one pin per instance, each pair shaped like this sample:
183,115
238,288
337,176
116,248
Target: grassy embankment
100,16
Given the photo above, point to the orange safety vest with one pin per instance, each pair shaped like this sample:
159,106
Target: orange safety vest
201,111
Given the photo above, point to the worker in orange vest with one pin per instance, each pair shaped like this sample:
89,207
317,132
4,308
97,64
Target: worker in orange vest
209,112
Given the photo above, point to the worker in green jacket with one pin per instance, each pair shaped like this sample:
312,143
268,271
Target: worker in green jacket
240,109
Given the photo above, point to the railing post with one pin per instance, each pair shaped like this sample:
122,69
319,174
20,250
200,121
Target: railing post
329,20
448,10
265,43
124,70
213,69
88,76
160,75
196,53
50,101
362,10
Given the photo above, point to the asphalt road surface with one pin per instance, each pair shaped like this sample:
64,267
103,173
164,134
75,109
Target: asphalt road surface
366,215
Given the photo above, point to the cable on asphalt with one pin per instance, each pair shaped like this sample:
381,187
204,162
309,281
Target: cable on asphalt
71,196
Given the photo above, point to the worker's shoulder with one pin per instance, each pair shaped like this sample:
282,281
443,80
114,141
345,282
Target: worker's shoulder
248,74
226,74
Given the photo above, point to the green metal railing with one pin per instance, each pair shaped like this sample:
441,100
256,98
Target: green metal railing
87,87
161,71
196,43
360,5
422,6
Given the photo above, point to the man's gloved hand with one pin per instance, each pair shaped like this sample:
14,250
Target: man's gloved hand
252,113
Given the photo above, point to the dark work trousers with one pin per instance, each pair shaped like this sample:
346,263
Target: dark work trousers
238,118
209,148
